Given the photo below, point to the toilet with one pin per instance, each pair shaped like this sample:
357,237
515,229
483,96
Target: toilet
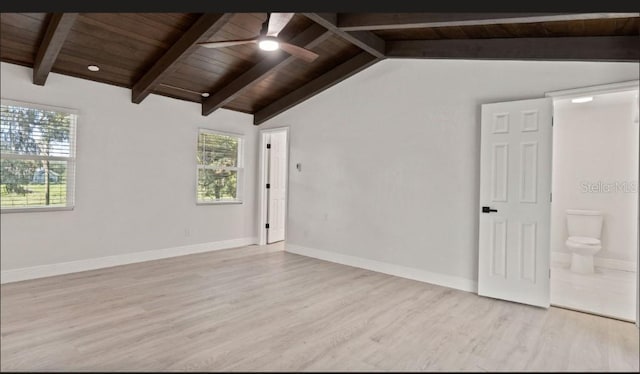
585,229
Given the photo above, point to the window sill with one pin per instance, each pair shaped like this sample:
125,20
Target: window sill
29,210
219,202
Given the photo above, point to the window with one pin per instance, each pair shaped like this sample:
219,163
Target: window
220,167
37,157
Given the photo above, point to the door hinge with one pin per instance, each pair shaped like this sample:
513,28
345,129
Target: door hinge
268,185
266,226
550,197
549,273
551,121
268,145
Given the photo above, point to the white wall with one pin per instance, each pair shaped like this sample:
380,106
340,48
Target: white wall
390,157
135,187
597,142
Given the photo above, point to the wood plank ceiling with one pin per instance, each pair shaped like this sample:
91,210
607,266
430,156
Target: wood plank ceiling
157,52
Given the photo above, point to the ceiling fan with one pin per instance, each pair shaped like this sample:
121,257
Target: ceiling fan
268,38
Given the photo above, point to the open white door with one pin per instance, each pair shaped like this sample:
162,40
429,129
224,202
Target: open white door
515,193
277,192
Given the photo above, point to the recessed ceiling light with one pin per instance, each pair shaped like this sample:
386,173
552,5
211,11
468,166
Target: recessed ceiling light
204,94
93,67
578,100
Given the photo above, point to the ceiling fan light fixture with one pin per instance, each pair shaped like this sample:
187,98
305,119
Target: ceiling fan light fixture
267,39
268,44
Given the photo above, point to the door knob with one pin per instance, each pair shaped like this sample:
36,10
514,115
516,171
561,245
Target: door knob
486,209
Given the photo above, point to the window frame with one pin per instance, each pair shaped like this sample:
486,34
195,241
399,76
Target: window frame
71,159
239,168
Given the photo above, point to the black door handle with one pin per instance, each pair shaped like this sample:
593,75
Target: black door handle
486,209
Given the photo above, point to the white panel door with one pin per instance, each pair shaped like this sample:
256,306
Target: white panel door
277,186
515,193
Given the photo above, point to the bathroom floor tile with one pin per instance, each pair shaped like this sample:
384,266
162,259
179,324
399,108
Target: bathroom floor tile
607,292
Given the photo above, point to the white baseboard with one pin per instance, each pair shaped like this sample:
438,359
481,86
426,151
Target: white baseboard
607,263
15,275
386,268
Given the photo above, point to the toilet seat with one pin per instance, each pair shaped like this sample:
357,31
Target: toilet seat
583,245
584,240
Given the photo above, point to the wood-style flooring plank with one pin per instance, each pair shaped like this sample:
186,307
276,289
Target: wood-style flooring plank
259,308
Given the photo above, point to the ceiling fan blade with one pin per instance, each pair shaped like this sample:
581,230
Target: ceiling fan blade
277,22
299,52
226,43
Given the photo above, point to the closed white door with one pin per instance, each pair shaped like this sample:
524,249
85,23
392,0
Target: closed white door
515,201
277,191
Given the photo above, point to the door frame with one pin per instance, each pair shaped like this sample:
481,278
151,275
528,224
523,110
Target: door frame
601,89
262,181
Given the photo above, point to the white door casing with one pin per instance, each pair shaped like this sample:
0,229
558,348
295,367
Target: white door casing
515,180
277,179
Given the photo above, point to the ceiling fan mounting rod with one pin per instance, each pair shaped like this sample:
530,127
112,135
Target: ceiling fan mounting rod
265,26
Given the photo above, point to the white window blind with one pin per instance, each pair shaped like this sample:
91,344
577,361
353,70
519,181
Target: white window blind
37,156
220,167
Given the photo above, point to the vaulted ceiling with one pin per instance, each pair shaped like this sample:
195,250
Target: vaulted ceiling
157,53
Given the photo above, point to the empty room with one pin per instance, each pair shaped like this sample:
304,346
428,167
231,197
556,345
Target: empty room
310,192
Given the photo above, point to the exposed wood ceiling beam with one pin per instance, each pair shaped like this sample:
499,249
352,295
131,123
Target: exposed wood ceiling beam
588,48
367,41
314,87
57,31
309,38
204,27
384,21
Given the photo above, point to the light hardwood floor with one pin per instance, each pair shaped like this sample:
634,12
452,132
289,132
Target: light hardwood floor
262,309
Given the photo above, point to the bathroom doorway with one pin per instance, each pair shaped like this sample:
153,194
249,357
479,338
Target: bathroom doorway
274,161
594,202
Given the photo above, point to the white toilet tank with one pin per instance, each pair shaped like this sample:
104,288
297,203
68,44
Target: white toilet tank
584,223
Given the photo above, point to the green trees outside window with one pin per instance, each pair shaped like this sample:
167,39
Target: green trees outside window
219,167
36,156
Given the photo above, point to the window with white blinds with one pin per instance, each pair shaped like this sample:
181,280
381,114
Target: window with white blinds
220,167
37,157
